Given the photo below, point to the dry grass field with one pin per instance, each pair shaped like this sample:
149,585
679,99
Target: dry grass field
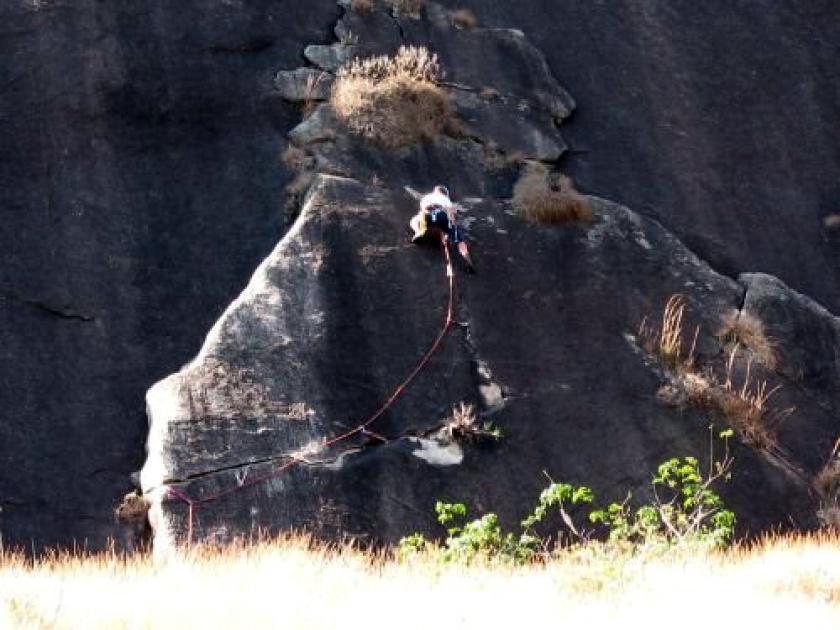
782,582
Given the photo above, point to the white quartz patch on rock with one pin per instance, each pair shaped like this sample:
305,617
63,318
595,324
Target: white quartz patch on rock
437,453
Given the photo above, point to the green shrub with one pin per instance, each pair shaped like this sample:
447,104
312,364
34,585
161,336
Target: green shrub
685,511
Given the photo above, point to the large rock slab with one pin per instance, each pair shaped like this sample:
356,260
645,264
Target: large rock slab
343,309
546,344
329,58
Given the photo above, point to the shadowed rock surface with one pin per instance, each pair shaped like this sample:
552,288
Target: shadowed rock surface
140,187
544,344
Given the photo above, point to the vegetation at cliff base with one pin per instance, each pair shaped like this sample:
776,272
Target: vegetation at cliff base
778,582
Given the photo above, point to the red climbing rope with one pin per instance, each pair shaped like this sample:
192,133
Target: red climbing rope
361,428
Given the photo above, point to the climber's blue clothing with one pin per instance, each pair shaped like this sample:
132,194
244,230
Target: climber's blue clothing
439,218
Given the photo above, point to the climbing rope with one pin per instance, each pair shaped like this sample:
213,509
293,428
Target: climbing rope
362,428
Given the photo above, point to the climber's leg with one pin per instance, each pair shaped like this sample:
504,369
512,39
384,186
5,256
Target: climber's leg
463,248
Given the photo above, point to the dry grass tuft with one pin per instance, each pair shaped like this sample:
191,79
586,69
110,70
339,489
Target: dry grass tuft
464,18
827,481
749,331
393,101
133,507
463,425
462,422
362,7
665,341
776,583
832,221
829,516
746,407
542,197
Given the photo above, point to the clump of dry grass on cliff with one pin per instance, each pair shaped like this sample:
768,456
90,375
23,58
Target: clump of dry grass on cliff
393,101
464,18
832,221
827,480
463,424
665,341
827,483
361,6
777,583
745,329
543,197
742,400
747,407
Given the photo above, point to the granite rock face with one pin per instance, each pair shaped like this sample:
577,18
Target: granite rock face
140,186
545,343
717,120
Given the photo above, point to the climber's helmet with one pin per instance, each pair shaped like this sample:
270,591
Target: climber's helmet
443,190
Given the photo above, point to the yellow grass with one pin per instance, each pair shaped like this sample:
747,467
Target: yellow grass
362,6
666,340
779,583
827,480
464,18
832,221
749,331
393,101
542,197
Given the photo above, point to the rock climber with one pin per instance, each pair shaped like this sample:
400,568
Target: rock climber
438,214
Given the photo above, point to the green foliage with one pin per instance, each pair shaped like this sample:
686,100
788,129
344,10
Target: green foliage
556,495
492,431
694,513
689,513
466,541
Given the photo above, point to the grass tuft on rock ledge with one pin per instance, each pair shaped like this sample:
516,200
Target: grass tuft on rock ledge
464,18
543,197
393,101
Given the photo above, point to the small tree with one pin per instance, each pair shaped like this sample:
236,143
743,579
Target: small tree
685,508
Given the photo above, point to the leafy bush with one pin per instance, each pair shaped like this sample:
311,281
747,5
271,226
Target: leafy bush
685,511
693,513
481,538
